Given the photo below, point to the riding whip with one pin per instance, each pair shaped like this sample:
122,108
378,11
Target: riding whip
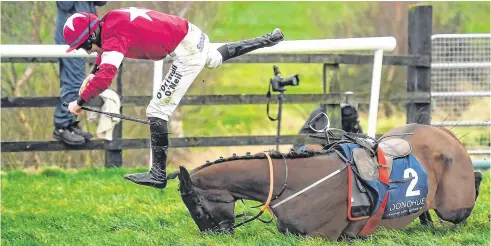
121,116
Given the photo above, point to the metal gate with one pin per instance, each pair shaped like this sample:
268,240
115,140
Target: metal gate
461,87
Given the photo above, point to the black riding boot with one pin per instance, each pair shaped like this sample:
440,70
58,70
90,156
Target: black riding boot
156,177
235,49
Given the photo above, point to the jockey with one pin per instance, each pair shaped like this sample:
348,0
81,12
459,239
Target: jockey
147,34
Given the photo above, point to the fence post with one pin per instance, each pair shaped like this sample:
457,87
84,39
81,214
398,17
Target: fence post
333,111
420,29
114,158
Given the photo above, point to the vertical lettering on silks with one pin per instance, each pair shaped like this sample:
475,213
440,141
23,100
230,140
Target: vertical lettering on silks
201,43
169,85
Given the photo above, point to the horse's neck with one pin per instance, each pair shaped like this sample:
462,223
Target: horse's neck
247,179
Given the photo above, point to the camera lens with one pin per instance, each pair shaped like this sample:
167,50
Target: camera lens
291,81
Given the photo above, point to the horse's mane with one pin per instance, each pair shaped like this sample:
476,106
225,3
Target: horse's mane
448,131
293,154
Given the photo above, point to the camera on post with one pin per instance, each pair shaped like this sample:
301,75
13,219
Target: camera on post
278,83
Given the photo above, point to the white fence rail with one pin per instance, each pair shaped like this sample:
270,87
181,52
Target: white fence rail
376,44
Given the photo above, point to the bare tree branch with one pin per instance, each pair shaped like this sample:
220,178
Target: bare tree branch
25,77
185,9
13,77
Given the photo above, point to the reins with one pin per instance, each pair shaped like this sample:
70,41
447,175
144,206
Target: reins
270,194
271,183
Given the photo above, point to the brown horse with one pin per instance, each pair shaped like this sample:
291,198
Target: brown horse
308,191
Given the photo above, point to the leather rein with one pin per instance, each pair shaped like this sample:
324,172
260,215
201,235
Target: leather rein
265,205
271,185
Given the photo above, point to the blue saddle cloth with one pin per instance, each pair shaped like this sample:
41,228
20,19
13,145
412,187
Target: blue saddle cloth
408,185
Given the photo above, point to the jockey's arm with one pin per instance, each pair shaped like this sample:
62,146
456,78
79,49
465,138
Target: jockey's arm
92,72
105,69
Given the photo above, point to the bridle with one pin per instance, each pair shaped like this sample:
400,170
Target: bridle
210,218
265,205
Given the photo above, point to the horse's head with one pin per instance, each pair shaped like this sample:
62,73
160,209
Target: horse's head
212,210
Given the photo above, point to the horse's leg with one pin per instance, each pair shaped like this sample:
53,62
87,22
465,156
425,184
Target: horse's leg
280,227
425,218
332,230
353,229
477,182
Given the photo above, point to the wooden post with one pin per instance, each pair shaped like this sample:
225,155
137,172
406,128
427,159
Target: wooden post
420,29
114,157
333,111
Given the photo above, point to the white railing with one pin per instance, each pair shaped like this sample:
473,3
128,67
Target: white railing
376,44
40,51
462,123
290,46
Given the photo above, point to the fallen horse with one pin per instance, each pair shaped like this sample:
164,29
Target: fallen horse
347,190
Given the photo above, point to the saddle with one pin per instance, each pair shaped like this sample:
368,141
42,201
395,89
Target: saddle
371,188
368,164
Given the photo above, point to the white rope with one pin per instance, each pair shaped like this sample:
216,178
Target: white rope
309,187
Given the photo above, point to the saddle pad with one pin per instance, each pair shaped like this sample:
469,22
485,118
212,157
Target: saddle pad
408,186
359,201
375,185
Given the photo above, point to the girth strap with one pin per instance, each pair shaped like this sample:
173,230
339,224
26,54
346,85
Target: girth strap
374,220
383,168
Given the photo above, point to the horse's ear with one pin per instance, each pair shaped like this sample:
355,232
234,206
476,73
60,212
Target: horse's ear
185,183
183,172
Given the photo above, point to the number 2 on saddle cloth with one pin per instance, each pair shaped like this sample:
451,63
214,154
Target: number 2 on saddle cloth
402,194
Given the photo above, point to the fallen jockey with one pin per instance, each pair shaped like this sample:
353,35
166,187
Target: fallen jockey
151,35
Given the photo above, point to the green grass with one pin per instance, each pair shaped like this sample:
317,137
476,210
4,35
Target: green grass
99,207
298,20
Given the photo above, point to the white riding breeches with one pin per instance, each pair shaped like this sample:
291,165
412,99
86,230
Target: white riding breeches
189,58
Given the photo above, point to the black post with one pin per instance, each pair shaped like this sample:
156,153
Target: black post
333,111
280,99
420,29
114,157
